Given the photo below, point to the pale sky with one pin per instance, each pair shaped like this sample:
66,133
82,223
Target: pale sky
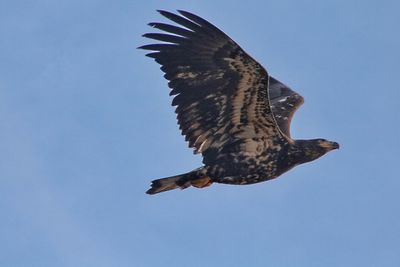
86,124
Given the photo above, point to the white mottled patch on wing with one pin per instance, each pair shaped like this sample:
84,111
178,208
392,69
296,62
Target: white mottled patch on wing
187,75
283,99
244,88
203,145
238,100
252,147
284,109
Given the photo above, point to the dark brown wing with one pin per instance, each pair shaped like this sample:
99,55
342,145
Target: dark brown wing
284,103
221,93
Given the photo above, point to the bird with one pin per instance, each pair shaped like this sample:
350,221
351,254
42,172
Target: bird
230,110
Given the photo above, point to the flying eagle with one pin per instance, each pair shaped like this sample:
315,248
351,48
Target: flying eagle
228,107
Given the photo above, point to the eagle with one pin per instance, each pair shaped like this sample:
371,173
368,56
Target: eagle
228,107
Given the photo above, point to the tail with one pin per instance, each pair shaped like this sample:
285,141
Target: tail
196,178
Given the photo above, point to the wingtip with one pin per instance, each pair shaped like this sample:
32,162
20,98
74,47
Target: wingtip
183,12
163,12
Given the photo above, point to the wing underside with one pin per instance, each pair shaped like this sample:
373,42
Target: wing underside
220,92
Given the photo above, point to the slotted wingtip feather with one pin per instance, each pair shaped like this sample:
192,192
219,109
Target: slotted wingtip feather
164,13
192,17
182,11
158,46
151,24
142,47
181,20
185,13
164,37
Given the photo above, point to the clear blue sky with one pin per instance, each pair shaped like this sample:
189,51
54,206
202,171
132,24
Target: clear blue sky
86,123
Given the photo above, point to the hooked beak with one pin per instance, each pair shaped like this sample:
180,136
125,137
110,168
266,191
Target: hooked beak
330,145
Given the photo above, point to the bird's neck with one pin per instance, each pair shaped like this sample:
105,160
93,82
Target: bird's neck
297,153
291,156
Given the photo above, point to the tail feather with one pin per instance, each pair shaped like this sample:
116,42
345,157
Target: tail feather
195,178
165,184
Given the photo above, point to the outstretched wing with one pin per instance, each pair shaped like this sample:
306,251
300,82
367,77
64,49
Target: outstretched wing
284,103
221,93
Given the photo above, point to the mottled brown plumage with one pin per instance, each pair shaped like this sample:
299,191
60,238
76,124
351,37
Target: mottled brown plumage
228,107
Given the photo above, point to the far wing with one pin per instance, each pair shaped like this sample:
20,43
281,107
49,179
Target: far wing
284,103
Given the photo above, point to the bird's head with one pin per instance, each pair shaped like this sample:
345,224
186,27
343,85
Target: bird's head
313,149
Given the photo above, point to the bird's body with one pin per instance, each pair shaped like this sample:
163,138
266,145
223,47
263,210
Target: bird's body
228,107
